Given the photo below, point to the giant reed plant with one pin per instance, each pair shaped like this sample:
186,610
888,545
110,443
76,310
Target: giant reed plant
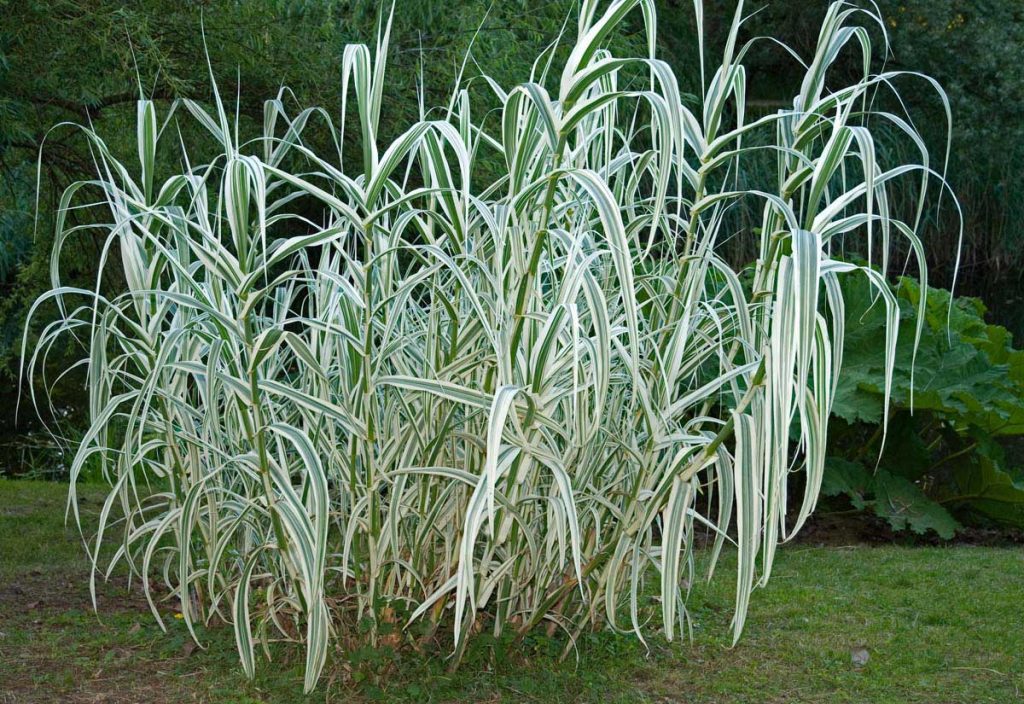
339,387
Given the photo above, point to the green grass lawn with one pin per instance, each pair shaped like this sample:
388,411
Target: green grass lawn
940,625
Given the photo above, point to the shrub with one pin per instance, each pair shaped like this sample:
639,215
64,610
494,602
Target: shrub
957,400
344,387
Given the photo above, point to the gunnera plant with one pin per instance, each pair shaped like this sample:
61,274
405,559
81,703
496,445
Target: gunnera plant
490,375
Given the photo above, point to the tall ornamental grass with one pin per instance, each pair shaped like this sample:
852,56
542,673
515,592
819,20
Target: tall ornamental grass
491,376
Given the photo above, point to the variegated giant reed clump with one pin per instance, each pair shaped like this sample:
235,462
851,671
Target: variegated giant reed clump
484,405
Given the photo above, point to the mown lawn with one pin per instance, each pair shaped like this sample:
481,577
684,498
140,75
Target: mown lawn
939,625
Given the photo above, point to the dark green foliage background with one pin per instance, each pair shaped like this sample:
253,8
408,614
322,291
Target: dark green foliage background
83,61
78,60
